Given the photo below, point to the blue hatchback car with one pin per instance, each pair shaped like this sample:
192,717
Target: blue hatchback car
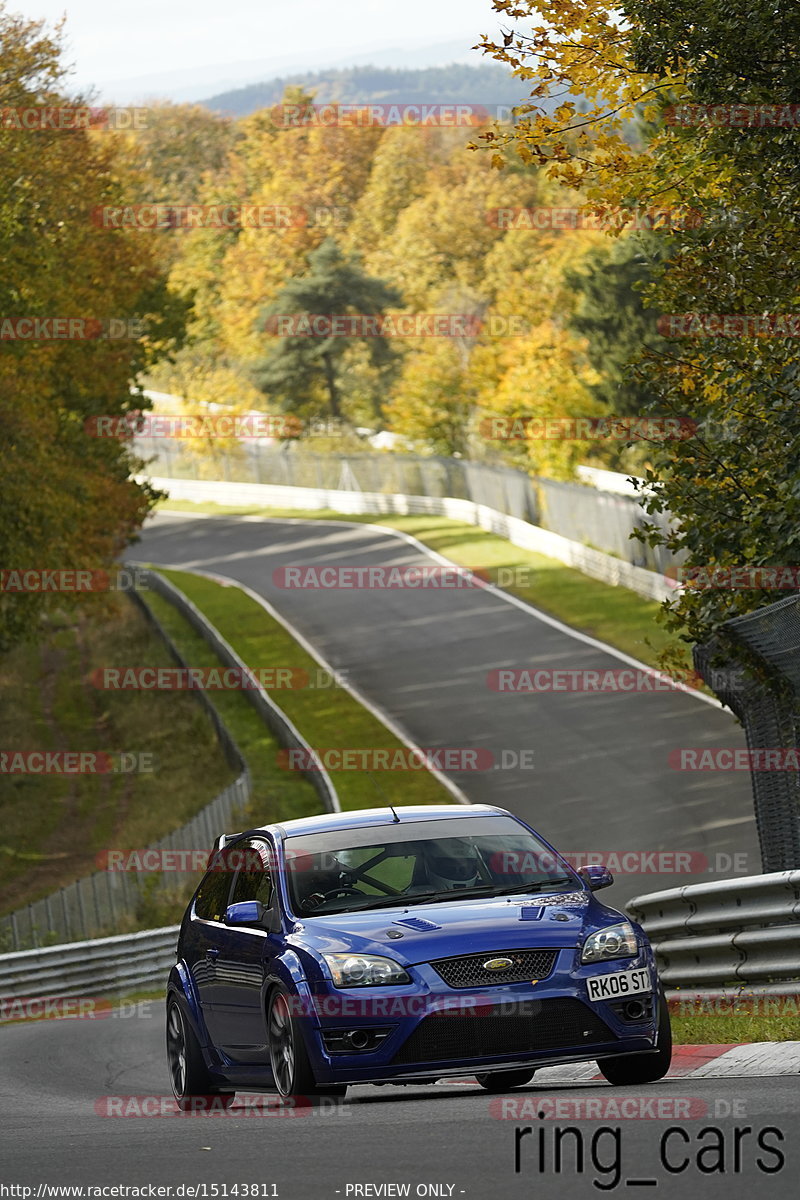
395,946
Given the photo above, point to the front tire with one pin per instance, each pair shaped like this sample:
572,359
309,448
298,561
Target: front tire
643,1068
191,1082
504,1081
288,1057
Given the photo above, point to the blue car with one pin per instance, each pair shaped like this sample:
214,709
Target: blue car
397,946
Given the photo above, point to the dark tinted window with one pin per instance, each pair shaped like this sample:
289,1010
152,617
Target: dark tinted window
212,895
252,881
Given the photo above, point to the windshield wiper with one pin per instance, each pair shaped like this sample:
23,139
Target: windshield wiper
449,894
543,886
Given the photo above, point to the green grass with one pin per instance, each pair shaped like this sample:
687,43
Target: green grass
52,827
762,1025
613,614
327,717
278,795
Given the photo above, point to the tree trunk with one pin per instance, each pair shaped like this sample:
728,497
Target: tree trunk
333,391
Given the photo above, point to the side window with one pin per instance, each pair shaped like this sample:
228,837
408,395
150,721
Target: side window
253,880
211,899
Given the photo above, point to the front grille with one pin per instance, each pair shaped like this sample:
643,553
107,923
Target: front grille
469,971
488,1031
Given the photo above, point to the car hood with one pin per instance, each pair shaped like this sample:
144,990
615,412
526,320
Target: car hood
445,929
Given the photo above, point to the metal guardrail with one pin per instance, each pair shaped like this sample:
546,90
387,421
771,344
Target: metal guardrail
276,721
95,903
734,936
733,933
118,966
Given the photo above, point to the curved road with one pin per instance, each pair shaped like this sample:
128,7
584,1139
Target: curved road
600,780
55,1076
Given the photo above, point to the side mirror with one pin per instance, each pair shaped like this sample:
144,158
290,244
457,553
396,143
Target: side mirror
248,912
596,876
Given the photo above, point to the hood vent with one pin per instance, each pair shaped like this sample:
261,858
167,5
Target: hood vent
416,923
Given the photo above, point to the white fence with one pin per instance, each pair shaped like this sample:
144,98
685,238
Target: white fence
594,563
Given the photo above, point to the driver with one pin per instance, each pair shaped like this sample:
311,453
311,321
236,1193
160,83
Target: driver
324,874
452,863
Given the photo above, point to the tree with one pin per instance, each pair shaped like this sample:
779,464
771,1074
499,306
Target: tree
613,317
733,488
68,497
302,366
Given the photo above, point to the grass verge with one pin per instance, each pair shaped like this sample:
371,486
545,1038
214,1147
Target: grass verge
327,716
753,1020
54,825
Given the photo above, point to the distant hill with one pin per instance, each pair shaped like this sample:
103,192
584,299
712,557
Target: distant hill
488,84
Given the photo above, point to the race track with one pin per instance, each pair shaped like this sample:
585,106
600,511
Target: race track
600,781
56,1073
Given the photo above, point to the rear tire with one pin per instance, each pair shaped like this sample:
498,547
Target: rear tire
191,1082
643,1068
504,1081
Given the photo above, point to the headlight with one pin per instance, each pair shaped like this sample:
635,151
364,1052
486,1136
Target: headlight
364,970
617,941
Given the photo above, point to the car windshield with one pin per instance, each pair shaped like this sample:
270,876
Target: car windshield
411,862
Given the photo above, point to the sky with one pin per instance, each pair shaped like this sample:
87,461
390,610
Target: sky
180,46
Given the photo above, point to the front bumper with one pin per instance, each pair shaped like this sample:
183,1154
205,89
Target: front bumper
428,1029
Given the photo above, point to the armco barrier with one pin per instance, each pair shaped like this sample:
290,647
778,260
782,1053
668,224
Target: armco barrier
735,933
736,936
96,902
118,966
284,730
594,563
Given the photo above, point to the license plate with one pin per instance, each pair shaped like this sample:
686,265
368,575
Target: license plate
618,983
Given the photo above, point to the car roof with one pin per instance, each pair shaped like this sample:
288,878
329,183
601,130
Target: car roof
402,814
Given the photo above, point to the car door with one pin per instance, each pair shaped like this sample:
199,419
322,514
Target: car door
241,966
205,936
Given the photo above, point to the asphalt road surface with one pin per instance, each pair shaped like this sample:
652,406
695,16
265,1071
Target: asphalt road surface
600,778
57,1078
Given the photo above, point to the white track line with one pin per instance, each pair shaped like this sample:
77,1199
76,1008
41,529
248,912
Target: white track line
508,597
374,709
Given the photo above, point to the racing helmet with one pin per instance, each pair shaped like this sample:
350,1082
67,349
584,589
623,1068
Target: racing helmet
452,863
